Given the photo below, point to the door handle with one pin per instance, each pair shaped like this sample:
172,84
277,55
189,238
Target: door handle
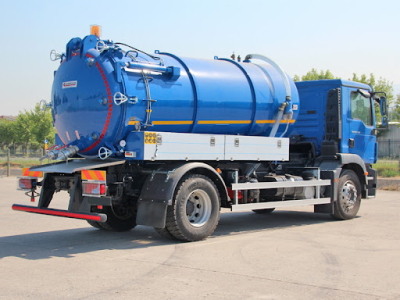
351,143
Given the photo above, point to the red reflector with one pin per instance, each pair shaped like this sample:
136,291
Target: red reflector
25,183
93,188
102,189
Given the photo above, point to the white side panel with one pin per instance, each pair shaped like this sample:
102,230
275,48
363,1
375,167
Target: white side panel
277,204
185,146
256,148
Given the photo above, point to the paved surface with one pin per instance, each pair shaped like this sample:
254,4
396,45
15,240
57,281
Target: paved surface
392,184
285,255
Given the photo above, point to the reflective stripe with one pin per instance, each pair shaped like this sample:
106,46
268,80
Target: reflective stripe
273,121
172,122
93,175
203,122
26,172
211,122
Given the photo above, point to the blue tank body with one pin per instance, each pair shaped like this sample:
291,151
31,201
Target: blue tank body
164,93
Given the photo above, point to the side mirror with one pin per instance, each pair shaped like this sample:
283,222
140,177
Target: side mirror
384,112
384,122
383,104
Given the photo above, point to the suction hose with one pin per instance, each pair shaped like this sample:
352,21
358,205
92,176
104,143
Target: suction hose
285,108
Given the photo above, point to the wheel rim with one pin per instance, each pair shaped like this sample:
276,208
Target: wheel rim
349,196
122,213
198,208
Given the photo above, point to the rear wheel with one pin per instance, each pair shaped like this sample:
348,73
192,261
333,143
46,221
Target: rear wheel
349,196
119,218
95,224
195,212
164,233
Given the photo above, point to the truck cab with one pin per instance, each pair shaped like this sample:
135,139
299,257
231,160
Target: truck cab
349,118
337,117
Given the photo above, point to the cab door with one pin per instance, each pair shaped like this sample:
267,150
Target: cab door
360,122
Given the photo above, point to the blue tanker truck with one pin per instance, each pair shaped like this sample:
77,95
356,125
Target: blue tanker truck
167,141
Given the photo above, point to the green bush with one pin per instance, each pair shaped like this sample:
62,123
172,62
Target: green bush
387,168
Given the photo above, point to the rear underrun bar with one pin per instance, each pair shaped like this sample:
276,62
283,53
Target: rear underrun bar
61,213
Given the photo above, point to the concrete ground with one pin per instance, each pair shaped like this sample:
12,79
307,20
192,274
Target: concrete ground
286,255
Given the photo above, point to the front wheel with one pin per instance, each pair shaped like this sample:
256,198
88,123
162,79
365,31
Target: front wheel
349,196
195,212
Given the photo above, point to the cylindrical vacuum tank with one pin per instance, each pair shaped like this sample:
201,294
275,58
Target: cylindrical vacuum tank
100,95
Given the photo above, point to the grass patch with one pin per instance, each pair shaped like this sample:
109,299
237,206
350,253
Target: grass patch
20,163
387,168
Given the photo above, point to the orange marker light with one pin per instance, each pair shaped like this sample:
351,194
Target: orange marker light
95,30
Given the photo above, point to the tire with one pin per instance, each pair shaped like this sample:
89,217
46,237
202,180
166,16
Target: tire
95,224
164,233
118,219
264,211
349,196
195,212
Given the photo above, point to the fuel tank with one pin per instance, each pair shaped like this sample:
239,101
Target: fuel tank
102,91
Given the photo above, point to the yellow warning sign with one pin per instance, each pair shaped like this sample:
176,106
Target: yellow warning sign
150,138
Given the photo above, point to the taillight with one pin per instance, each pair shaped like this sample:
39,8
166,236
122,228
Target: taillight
93,188
27,183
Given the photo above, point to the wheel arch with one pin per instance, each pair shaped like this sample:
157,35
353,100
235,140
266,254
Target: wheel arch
215,177
332,169
356,164
356,169
158,190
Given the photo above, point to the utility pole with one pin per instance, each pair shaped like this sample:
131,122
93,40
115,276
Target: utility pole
8,162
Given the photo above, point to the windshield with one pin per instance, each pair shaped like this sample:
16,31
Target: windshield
361,108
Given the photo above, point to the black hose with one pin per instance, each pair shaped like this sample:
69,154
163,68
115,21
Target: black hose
152,56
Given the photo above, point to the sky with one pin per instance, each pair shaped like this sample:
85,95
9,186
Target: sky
345,37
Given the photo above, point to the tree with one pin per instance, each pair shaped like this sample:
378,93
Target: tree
315,75
382,85
43,126
34,126
395,113
7,133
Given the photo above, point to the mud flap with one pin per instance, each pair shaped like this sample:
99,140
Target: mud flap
158,192
152,214
329,192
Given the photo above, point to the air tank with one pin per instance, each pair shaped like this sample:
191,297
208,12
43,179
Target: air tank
102,91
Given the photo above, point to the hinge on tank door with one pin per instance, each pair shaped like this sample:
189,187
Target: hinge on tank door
146,80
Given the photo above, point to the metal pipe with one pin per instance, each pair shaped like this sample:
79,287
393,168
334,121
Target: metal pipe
150,67
235,200
65,153
253,168
277,67
278,119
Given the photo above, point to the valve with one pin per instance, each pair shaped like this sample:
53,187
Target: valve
51,154
43,105
54,55
119,98
104,153
101,46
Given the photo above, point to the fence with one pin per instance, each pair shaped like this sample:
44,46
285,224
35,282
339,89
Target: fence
388,148
20,152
